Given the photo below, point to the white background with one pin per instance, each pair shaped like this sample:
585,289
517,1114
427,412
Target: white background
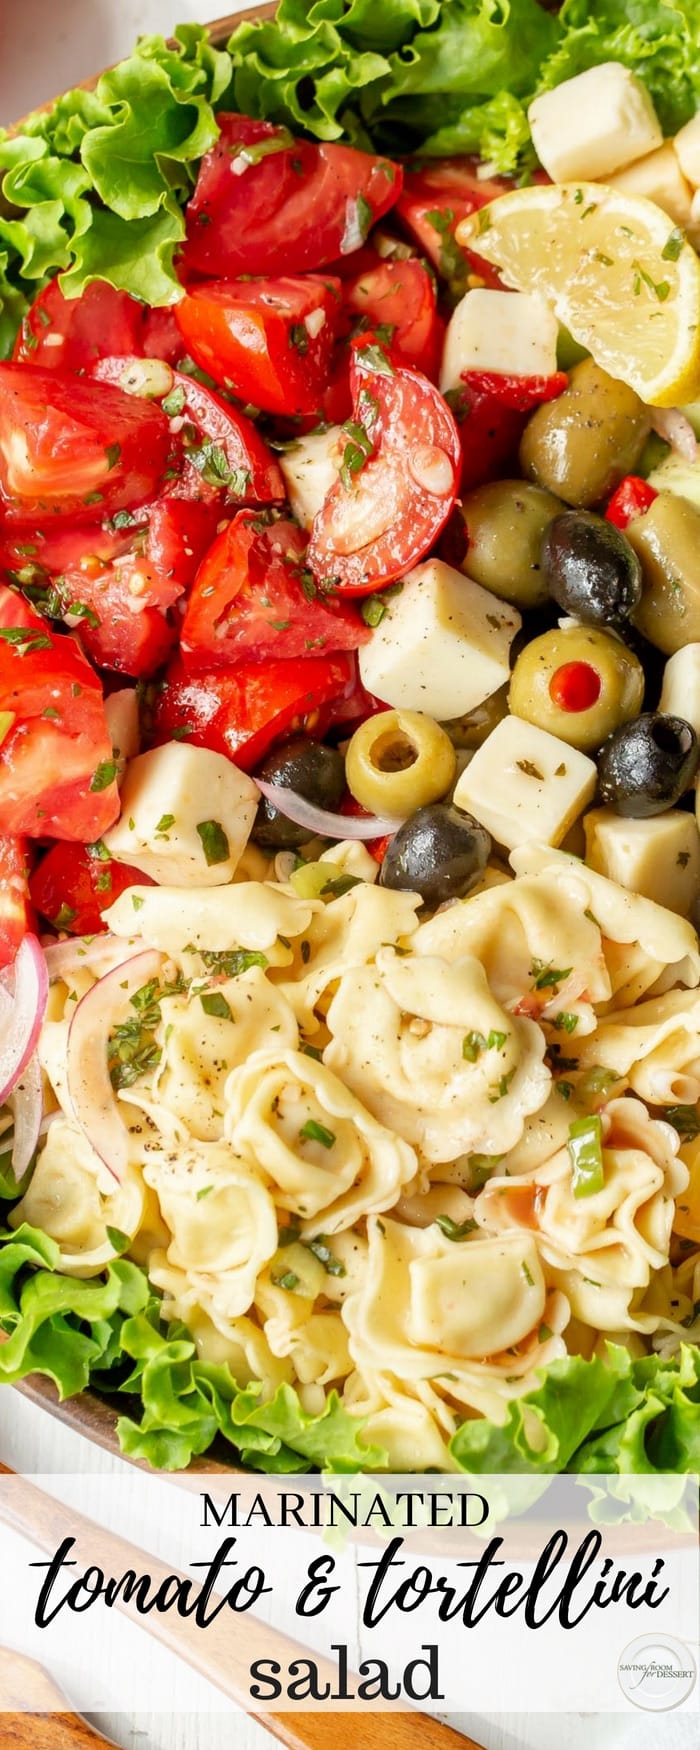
45,46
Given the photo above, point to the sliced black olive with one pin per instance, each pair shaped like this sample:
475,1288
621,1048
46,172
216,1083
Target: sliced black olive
590,568
314,771
439,852
647,765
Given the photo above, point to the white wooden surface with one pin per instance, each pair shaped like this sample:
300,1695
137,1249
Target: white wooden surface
47,45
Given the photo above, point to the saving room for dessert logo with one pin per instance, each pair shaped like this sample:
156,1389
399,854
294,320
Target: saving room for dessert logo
656,1672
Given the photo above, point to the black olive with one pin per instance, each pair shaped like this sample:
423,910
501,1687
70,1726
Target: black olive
439,852
647,765
316,772
590,568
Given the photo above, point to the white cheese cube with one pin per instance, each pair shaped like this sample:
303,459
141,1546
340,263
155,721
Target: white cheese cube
310,469
686,146
513,333
594,124
186,816
659,858
680,692
443,645
658,178
525,785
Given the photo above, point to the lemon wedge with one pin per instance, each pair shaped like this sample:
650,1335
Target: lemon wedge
620,277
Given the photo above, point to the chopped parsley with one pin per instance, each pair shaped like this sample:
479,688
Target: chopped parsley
214,1003
325,1256
231,962
548,977
474,1043
685,1119
455,1230
356,452
214,842
312,1131
25,640
104,775
132,1049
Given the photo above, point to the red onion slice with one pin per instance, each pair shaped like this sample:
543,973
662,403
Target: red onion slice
319,821
672,425
87,954
27,986
91,1092
26,1105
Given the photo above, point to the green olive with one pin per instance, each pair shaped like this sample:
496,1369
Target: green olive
398,761
471,730
505,522
667,542
581,445
579,682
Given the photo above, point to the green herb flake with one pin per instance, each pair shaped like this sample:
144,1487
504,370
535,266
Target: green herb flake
104,775
321,1250
165,823
288,1280
548,977
455,1230
312,1131
565,1022
173,403
685,1119
214,842
214,1003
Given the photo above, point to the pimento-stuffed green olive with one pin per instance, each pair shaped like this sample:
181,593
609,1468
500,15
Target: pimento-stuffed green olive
505,522
581,446
578,682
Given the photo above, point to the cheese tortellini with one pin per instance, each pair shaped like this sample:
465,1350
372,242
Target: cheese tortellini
348,1133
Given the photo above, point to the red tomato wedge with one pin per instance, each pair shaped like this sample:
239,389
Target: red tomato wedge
240,712
222,451
433,200
78,449
399,297
74,884
269,341
68,334
57,773
254,597
15,910
399,481
267,203
120,610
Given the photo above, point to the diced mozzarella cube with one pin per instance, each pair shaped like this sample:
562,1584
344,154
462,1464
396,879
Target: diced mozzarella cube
513,333
186,816
594,124
659,858
310,468
658,178
443,645
680,692
525,785
686,146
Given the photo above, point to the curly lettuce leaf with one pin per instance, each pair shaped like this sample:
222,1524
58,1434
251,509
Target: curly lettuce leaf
96,185
188,1402
620,1415
659,40
55,1324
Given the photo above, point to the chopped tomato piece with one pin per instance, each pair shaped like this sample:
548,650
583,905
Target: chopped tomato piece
433,201
397,299
120,611
177,536
57,771
74,884
631,499
161,336
68,334
253,596
223,454
270,341
399,479
16,916
79,449
241,712
268,203
491,412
